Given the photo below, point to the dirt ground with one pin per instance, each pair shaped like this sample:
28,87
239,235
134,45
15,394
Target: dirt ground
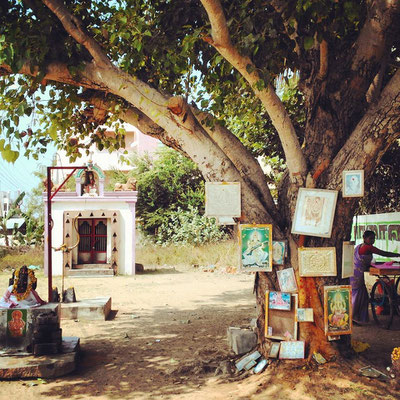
166,339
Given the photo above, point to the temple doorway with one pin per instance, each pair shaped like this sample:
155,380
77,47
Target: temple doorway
93,241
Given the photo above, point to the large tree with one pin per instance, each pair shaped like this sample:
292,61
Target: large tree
140,61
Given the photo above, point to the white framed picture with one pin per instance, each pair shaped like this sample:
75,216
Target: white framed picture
347,259
353,183
315,210
223,199
287,280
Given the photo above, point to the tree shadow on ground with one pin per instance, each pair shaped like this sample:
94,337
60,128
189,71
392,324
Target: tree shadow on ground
160,353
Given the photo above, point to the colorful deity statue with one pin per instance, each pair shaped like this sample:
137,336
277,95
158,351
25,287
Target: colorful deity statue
21,292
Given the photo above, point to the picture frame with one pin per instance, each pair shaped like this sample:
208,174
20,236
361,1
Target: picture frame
317,261
314,213
353,183
279,252
255,244
287,280
281,324
292,350
305,315
347,259
279,301
223,199
274,350
337,310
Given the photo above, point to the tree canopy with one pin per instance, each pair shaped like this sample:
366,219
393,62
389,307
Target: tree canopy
198,75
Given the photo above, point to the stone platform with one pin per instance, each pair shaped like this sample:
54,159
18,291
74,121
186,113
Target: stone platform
89,309
19,345
50,366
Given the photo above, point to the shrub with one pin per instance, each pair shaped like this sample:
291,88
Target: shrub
189,227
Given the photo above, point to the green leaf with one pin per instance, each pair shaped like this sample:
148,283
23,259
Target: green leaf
10,155
53,132
308,42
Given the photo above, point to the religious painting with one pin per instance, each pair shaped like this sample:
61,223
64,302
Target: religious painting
353,183
292,350
287,280
279,301
317,261
255,247
16,323
337,310
281,324
223,199
274,350
279,251
315,209
305,315
347,259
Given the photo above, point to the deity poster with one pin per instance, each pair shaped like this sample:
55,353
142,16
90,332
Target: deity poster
255,247
16,323
337,310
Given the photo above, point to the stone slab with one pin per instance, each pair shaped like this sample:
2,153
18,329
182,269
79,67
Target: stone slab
49,366
241,340
89,309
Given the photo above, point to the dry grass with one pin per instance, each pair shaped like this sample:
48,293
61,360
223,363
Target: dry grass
14,258
222,254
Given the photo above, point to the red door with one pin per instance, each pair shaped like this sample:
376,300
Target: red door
93,241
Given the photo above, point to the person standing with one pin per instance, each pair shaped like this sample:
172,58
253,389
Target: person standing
363,254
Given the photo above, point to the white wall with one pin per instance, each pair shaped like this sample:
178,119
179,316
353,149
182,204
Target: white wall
127,229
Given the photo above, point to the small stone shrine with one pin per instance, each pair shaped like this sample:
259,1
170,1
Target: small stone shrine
30,328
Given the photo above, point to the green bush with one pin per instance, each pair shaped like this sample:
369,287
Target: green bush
188,227
170,199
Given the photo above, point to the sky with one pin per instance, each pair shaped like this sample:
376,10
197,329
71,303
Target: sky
19,176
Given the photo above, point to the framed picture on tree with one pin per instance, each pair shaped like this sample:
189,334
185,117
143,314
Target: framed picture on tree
279,251
317,261
287,280
337,310
347,259
223,199
314,213
255,247
353,183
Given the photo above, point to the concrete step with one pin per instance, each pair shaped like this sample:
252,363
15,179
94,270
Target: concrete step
90,272
91,266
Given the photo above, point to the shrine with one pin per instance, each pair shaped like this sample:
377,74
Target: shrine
91,223
29,328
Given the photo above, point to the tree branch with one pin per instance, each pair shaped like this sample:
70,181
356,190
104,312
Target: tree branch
245,163
371,47
57,72
373,135
221,41
74,27
323,60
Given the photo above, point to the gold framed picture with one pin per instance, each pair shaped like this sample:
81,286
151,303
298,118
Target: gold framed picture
317,261
337,310
255,243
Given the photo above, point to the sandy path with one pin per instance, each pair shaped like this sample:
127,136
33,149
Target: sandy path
168,336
